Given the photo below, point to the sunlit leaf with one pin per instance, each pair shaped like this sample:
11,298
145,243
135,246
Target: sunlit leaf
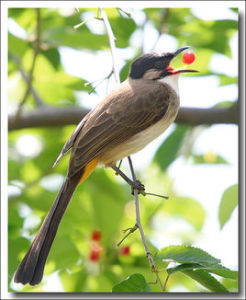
209,158
17,46
187,254
216,269
186,208
207,280
134,284
228,203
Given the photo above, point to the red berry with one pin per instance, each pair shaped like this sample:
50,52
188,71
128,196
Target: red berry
96,235
125,250
94,255
188,57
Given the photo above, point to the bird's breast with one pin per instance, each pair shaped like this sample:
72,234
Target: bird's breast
138,141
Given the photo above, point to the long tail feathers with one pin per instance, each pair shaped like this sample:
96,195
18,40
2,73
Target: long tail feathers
32,266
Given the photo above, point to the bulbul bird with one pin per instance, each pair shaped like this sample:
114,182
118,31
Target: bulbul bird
129,118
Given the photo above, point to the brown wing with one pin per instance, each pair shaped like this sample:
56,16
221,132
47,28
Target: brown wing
125,112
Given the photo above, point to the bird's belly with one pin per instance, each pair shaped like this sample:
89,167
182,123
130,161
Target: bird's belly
139,140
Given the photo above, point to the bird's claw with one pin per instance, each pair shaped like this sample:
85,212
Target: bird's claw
138,186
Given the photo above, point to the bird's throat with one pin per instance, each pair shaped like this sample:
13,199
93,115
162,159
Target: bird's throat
172,81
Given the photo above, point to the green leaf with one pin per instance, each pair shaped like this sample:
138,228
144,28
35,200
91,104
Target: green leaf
224,79
223,272
217,269
235,9
231,285
136,283
125,71
64,252
186,208
168,151
111,203
16,246
53,56
207,280
17,46
73,281
187,254
123,29
209,158
78,39
227,204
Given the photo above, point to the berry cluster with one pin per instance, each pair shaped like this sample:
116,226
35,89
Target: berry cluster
96,248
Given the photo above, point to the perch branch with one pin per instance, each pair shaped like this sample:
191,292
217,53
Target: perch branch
60,116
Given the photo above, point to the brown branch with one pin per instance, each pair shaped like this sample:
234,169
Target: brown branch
47,116
203,116
52,116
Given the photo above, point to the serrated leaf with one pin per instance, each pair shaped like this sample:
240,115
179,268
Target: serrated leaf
167,152
217,269
207,280
183,267
228,203
136,283
187,254
223,272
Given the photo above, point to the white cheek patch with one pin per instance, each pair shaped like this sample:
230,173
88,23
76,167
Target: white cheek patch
172,81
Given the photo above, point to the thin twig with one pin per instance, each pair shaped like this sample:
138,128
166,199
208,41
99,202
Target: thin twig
39,102
138,224
35,54
165,283
130,231
162,28
112,40
98,82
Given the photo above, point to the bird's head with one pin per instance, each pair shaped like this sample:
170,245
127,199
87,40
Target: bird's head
156,66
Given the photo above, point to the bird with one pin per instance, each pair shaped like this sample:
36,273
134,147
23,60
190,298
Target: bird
130,117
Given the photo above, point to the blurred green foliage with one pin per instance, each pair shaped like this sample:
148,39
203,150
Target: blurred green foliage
104,203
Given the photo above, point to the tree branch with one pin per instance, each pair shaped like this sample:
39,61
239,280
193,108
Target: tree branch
51,116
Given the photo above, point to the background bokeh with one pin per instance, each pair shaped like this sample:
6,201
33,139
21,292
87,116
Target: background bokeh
196,166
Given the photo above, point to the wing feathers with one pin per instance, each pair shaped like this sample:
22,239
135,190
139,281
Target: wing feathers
119,117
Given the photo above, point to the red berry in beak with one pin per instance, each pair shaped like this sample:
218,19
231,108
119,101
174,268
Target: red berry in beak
188,57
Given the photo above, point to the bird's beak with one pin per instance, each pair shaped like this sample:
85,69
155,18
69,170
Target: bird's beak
181,70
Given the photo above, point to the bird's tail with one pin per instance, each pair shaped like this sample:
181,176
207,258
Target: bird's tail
32,266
